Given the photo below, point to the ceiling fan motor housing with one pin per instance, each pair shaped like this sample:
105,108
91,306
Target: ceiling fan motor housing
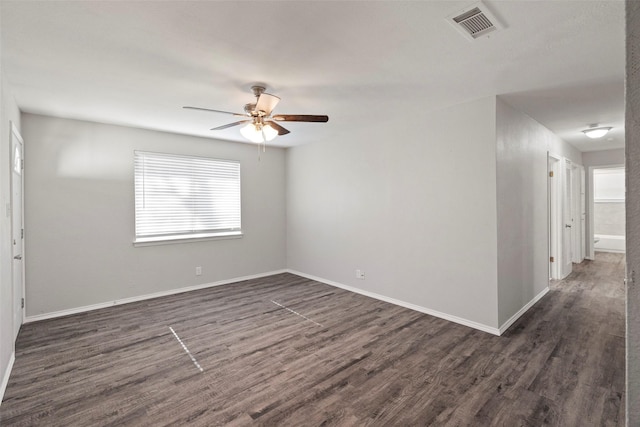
258,90
249,108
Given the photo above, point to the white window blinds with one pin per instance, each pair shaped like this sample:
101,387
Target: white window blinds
184,197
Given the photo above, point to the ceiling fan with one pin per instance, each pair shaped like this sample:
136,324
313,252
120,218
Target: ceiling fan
261,125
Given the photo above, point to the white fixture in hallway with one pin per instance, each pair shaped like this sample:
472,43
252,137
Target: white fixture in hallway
595,132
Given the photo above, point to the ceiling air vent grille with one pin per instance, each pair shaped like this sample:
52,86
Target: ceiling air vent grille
474,21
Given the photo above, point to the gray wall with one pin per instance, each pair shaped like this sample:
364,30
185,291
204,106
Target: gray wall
523,254
79,207
453,219
522,209
632,127
603,158
8,112
413,206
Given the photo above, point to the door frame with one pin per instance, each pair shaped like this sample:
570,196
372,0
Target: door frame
15,134
566,196
591,253
554,217
583,213
577,210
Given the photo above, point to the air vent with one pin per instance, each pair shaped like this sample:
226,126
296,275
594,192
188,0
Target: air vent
474,21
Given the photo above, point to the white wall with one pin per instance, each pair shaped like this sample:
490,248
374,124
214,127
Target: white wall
632,129
413,204
523,263
603,157
561,148
79,216
8,113
523,253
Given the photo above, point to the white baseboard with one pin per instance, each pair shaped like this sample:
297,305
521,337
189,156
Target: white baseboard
445,316
98,306
431,312
523,310
613,251
5,378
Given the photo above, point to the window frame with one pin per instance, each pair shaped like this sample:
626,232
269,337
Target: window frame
181,236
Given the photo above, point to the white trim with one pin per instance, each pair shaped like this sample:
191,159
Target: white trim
608,200
15,133
523,310
7,373
576,213
98,306
445,316
554,214
566,204
186,238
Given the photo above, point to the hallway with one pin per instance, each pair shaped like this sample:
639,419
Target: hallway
589,358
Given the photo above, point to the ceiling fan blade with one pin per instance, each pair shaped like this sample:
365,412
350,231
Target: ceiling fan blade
300,118
231,125
215,111
267,102
280,129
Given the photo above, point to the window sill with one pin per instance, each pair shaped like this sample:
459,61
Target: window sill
608,200
169,240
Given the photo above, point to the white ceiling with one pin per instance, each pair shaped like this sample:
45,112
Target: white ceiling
362,63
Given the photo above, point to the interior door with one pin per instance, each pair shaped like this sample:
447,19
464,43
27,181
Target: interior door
576,213
567,246
583,215
554,220
17,233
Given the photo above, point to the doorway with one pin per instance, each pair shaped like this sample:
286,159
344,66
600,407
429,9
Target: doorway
566,215
17,230
609,209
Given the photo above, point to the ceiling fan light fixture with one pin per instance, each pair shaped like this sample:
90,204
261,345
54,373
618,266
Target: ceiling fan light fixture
595,132
269,132
253,134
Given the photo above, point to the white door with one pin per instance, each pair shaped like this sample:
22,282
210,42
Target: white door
577,172
567,246
583,215
17,233
554,191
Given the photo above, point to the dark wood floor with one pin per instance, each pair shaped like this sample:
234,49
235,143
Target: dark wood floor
352,361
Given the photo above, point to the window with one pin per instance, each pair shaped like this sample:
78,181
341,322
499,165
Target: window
184,197
608,185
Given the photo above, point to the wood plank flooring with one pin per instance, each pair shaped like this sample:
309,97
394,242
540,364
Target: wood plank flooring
350,360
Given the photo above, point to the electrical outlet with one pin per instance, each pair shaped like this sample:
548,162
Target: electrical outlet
360,274
198,271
